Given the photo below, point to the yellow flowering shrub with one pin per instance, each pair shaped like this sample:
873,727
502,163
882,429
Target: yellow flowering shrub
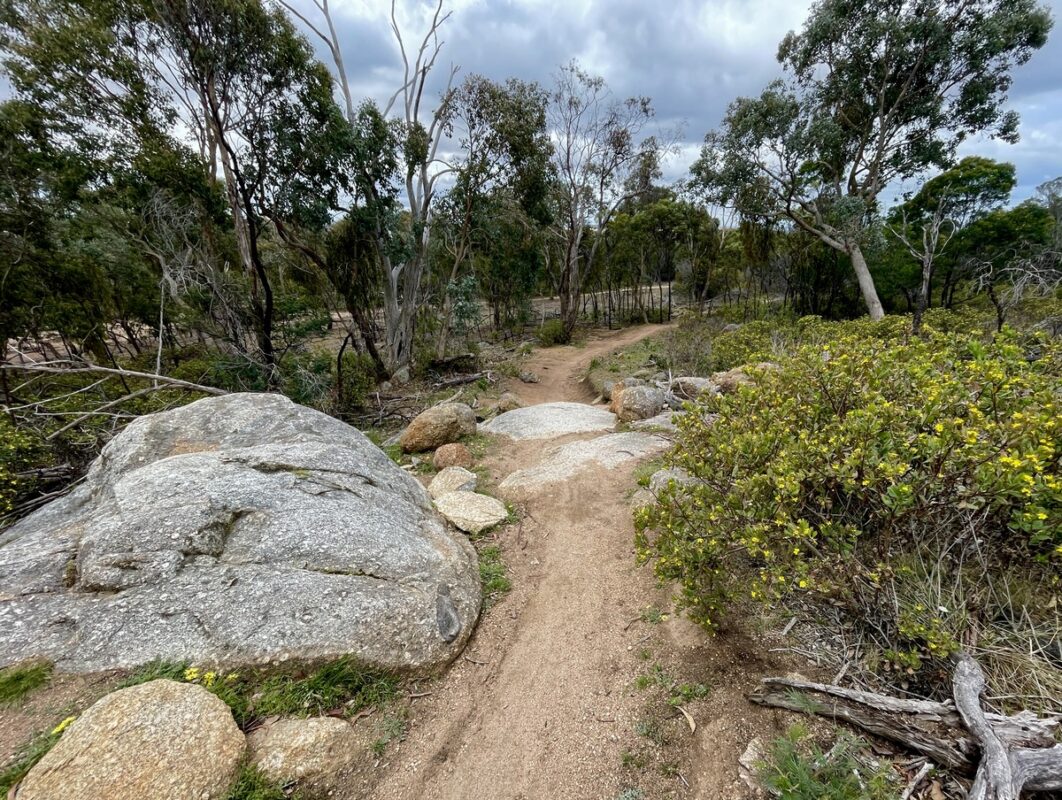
16,451
867,446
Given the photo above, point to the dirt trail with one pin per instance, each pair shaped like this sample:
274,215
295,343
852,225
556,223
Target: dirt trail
560,369
542,704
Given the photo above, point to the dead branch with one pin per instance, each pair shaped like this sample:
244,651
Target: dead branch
1006,754
67,367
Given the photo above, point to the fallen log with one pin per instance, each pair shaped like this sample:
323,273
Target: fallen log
1005,754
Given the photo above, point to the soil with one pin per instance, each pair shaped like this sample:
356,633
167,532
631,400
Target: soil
544,701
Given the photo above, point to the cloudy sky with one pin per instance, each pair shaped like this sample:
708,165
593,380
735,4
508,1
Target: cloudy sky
692,57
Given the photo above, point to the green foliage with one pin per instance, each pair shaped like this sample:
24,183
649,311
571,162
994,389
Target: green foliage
357,381
251,784
865,448
797,769
18,450
299,691
552,332
493,574
19,680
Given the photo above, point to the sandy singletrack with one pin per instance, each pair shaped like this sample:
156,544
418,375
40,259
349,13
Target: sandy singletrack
542,703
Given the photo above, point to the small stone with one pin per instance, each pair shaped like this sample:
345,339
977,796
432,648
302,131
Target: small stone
308,752
452,479
507,402
439,425
528,377
662,477
157,741
471,512
454,454
637,402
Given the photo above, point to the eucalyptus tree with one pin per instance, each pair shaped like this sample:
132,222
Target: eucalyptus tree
116,76
926,222
503,148
875,93
420,131
599,149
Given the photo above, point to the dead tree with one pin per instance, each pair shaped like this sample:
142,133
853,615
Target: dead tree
1006,755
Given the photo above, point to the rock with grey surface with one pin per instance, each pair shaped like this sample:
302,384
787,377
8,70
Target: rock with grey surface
316,754
637,402
242,529
438,425
550,420
471,512
563,462
453,479
156,741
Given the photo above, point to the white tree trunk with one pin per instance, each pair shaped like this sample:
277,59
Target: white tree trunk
866,282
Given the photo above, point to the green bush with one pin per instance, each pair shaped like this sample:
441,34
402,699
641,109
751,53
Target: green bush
358,379
551,332
867,462
18,451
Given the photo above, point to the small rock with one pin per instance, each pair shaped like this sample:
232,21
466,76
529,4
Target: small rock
665,422
732,380
157,741
527,376
642,498
637,402
749,764
452,479
401,377
662,477
608,387
689,387
507,402
454,454
437,426
313,753
471,512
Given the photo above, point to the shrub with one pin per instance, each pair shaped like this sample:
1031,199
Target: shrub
357,379
551,332
18,450
867,463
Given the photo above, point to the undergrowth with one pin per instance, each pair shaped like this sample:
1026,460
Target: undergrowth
914,482
797,769
342,685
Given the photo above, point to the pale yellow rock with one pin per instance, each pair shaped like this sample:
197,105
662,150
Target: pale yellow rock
160,740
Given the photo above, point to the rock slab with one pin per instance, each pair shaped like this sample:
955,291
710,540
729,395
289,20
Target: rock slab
550,420
438,425
157,741
452,479
562,463
242,529
471,512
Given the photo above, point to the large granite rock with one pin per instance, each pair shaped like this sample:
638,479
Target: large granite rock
562,463
549,420
438,425
245,530
157,741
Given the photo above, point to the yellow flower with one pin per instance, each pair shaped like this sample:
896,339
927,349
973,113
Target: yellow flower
62,726
191,674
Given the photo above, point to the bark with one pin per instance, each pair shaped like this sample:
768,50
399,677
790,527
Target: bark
866,282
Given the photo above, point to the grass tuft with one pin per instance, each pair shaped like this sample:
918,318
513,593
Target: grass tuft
19,680
251,784
492,575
